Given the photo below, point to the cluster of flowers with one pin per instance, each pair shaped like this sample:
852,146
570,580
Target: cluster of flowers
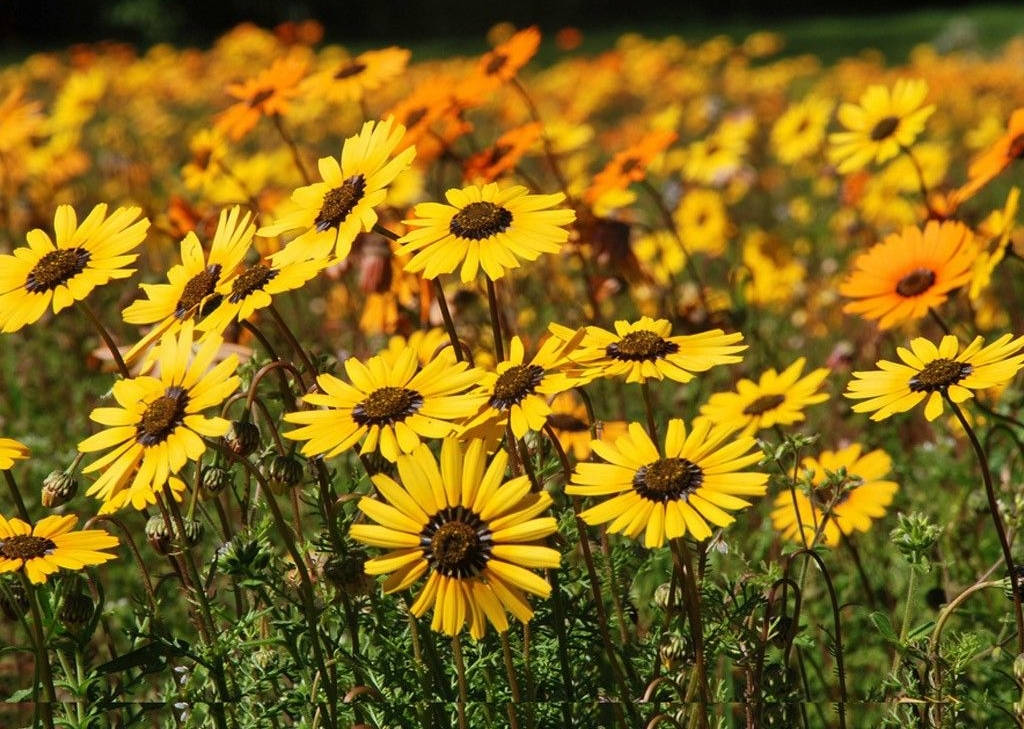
451,513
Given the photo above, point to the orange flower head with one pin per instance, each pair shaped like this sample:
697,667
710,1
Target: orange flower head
509,148
630,165
908,273
267,94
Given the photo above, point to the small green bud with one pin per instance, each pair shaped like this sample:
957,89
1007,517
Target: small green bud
76,610
243,438
215,479
160,538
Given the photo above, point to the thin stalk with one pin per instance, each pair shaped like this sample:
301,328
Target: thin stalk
84,307
460,671
652,427
905,626
513,682
449,323
292,341
865,582
42,654
12,485
997,520
492,305
296,156
691,600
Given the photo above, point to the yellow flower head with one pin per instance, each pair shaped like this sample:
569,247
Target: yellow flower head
390,406
330,214
829,512
880,125
50,545
777,398
473,533
697,479
65,269
158,425
933,373
484,227
646,350
11,451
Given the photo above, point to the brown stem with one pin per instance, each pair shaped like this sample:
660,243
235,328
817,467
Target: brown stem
296,156
12,485
84,307
492,305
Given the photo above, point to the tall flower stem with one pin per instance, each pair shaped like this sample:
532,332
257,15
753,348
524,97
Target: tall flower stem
997,520
42,654
19,502
549,151
84,307
446,315
652,427
492,304
460,672
513,682
691,599
293,148
300,352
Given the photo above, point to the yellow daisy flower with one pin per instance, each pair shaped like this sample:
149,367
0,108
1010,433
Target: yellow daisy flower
517,392
352,78
11,451
66,269
698,480
333,212
933,373
191,290
255,286
703,222
158,424
472,532
833,511
777,398
880,125
50,545
390,406
426,342
484,227
646,349
800,131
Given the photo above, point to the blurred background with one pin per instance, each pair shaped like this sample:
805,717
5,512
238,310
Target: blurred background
440,26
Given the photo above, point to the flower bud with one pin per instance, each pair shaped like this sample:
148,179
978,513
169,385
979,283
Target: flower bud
347,572
243,438
215,479
58,489
76,611
284,472
160,538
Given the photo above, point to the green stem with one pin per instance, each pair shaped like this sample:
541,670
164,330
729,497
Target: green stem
460,671
513,682
42,654
997,520
905,625
691,595
16,496
492,305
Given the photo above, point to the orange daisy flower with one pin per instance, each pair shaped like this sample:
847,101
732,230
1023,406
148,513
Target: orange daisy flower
503,63
629,165
428,103
910,272
266,94
509,148
990,163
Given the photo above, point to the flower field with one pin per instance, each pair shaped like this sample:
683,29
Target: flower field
673,384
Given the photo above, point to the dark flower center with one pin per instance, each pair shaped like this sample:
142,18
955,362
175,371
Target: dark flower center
480,220
641,346
497,153
1016,149
939,374
497,62
830,496
567,422
763,404
628,165
259,97
884,128
456,542
56,268
514,384
339,202
162,416
353,69
251,279
415,116
387,406
669,479
916,282
201,158
196,290
25,546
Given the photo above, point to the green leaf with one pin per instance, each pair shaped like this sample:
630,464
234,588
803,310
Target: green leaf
881,622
